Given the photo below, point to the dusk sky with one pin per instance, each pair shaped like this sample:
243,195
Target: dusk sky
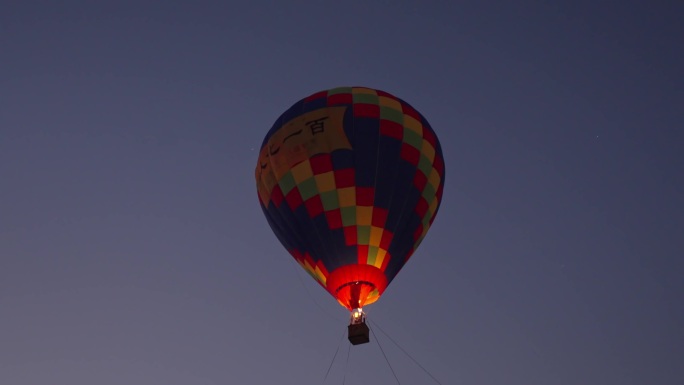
133,249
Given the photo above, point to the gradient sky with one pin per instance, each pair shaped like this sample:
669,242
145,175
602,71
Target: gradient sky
133,249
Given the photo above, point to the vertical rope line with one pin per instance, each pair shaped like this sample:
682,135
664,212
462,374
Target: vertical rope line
405,352
346,365
298,273
333,359
387,360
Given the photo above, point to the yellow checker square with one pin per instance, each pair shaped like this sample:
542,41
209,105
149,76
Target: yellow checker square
376,235
363,90
372,253
390,102
380,258
326,181
372,297
428,151
364,214
347,196
320,275
434,179
419,240
302,171
433,207
305,264
412,124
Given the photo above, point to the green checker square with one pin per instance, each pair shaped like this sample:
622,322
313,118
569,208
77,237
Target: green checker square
287,183
426,219
330,200
308,188
340,90
366,98
412,138
425,165
429,193
348,215
363,235
390,113
418,241
372,254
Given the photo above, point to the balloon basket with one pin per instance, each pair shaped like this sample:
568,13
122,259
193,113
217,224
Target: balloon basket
359,333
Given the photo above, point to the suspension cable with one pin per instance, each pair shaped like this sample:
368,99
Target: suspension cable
405,352
346,365
385,355
333,359
297,269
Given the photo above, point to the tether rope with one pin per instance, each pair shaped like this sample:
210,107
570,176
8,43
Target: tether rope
385,355
405,352
346,365
333,359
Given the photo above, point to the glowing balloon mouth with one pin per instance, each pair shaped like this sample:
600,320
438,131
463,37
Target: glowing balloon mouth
357,292
356,285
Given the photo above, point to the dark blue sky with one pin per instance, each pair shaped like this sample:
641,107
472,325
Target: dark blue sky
133,249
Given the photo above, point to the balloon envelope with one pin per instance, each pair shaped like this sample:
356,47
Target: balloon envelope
350,180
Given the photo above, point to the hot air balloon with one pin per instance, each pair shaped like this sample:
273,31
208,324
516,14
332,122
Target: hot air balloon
350,180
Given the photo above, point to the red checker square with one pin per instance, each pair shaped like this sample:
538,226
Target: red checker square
350,235
386,239
307,257
340,99
314,206
410,154
277,196
418,232
322,268
379,217
362,253
296,254
440,189
366,110
334,218
420,180
422,207
383,93
364,196
321,163
408,110
429,136
385,261
391,129
344,178
438,165
317,95
409,254
294,199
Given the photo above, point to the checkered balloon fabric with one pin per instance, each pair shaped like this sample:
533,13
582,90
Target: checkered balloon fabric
350,180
